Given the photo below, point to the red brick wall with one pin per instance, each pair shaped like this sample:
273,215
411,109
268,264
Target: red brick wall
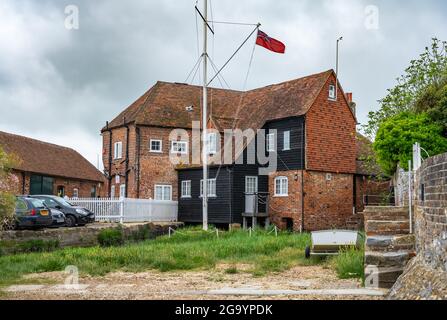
330,134
327,203
286,207
369,186
155,168
83,186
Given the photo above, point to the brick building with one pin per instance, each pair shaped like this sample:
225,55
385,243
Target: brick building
45,168
311,129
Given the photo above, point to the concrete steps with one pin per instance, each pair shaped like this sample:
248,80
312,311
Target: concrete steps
389,245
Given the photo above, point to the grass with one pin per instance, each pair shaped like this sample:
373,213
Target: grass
191,249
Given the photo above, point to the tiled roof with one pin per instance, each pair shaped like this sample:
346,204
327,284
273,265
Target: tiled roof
165,104
48,159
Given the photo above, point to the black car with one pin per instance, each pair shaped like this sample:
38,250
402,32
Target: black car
74,215
32,213
58,218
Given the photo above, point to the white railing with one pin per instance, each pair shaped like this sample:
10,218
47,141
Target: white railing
129,210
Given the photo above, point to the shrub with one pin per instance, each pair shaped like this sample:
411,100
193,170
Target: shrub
37,246
111,237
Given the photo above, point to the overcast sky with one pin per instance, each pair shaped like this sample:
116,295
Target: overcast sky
61,85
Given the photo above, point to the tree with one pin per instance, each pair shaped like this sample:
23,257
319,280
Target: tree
434,102
396,136
429,70
7,200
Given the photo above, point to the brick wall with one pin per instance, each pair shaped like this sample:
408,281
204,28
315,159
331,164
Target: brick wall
154,168
330,134
431,211
328,200
369,186
84,187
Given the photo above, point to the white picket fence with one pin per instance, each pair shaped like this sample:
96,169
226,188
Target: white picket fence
129,210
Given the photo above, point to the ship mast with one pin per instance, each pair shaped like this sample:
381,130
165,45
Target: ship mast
205,118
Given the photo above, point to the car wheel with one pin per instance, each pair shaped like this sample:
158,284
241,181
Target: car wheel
307,252
70,221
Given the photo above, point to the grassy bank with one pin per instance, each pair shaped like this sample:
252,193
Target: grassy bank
192,250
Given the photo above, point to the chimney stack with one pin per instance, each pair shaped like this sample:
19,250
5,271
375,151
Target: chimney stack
351,103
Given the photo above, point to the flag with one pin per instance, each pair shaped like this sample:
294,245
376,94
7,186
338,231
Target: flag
271,44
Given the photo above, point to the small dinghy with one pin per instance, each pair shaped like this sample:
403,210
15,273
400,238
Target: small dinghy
330,242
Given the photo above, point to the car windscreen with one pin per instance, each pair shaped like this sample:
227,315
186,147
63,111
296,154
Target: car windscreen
63,202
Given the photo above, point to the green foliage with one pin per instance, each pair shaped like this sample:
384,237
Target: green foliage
191,250
37,245
111,237
434,102
349,263
396,136
430,69
7,200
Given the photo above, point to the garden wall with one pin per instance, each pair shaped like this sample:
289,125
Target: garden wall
426,276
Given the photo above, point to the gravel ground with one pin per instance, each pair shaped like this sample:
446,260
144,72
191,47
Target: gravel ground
185,285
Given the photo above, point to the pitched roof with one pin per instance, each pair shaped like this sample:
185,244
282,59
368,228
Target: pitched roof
48,159
165,104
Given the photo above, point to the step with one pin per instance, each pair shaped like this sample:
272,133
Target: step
387,216
390,243
384,209
387,277
388,259
380,227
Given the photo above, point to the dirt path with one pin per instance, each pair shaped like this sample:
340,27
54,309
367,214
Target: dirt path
297,283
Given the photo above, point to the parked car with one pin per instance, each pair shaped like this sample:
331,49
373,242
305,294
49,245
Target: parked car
74,215
32,213
58,218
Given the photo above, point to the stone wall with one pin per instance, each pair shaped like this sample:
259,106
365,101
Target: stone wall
425,277
77,237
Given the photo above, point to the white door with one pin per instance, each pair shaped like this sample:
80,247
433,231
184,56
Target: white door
251,188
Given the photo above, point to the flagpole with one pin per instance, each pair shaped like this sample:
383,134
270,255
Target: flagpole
205,118
336,69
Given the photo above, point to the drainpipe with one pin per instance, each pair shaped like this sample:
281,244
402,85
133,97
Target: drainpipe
110,159
303,142
127,158
138,142
23,183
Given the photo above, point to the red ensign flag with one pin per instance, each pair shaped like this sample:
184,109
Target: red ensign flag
271,44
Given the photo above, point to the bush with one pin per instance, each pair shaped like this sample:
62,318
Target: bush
111,237
38,246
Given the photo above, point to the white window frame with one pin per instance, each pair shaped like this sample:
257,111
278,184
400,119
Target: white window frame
163,187
112,192
118,150
271,143
186,189
122,191
248,184
211,143
175,148
281,187
154,150
211,188
286,141
75,193
332,94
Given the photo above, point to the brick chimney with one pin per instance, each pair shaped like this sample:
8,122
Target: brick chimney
351,103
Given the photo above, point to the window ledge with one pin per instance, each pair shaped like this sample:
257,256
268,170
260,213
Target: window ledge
186,197
280,196
153,151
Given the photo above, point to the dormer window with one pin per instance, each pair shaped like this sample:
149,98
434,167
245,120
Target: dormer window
332,93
